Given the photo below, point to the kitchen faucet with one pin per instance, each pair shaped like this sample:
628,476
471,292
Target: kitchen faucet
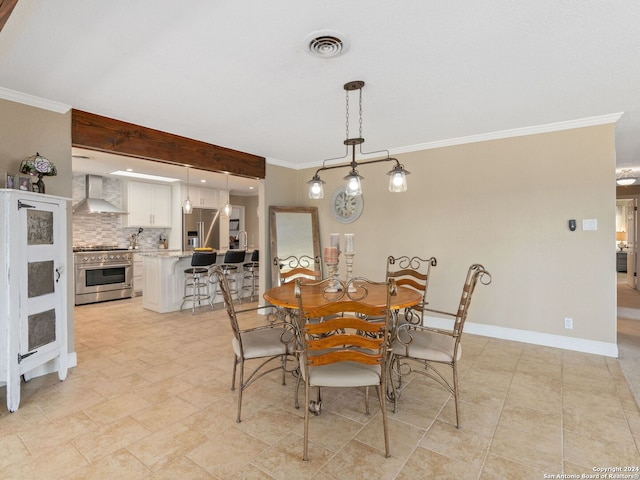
242,240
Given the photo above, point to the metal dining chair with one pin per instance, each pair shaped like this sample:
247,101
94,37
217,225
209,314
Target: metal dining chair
345,350
272,341
430,347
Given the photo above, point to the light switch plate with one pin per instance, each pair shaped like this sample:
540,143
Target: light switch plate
590,224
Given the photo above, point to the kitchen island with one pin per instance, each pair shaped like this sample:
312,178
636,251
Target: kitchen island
164,278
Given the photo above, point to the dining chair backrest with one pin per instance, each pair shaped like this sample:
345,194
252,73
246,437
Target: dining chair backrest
414,273
293,267
476,272
347,331
220,278
203,259
234,256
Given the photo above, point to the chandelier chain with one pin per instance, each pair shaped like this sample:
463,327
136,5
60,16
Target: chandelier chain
347,114
360,113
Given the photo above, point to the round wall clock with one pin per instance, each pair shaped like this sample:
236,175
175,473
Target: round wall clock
346,208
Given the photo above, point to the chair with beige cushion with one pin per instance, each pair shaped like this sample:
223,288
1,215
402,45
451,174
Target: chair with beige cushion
430,347
346,350
262,341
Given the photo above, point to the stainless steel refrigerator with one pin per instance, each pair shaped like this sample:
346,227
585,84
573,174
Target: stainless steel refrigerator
201,228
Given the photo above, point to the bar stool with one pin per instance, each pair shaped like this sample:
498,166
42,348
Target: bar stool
251,275
230,268
196,279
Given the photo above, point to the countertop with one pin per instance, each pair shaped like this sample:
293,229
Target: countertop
180,253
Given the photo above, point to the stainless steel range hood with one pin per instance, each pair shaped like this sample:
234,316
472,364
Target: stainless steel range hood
94,203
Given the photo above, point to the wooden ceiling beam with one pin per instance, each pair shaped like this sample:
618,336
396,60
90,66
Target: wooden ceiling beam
95,132
6,7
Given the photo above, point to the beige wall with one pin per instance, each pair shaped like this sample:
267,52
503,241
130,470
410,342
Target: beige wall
279,188
505,204
25,130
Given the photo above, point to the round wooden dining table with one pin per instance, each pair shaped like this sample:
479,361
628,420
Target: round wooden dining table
284,296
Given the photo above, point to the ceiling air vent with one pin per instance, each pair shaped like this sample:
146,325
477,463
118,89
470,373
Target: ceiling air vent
326,43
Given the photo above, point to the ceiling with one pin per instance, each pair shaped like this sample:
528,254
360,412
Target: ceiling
239,75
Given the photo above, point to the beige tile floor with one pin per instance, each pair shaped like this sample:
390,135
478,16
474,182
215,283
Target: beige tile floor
150,399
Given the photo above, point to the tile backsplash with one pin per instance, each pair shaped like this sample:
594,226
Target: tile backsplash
99,229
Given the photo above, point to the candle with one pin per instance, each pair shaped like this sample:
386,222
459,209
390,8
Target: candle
330,255
335,241
349,242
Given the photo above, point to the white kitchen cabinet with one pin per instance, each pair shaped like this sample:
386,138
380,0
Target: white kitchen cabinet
138,275
148,204
164,280
33,293
204,197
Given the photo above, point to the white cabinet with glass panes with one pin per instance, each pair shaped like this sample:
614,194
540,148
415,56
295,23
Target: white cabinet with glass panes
33,288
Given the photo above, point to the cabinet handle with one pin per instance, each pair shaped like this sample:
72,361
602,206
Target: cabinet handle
58,273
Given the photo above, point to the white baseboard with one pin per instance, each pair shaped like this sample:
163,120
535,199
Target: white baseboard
534,338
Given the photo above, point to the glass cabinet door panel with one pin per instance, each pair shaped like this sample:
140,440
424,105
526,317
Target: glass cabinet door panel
39,227
40,278
42,328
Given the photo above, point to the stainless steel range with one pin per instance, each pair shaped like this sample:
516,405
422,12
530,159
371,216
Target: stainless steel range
102,272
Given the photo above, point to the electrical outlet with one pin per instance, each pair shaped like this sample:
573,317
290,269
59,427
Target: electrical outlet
568,323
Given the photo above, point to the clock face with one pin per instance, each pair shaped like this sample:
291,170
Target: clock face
346,208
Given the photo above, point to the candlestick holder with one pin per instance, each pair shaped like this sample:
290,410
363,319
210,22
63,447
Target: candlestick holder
333,273
349,258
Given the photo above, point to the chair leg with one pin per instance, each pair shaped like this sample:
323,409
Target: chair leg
456,392
395,391
385,426
298,380
366,401
233,377
284,370
240,389
305,453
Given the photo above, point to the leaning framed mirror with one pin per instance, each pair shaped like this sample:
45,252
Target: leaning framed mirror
294,231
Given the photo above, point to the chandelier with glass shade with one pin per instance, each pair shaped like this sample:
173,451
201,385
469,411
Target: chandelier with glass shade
398,174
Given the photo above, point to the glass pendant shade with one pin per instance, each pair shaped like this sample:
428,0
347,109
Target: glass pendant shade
226,210
187,206
354,186
316,190
398,179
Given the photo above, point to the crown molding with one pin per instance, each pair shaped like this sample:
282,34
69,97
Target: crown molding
483,137
514,132
33,101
